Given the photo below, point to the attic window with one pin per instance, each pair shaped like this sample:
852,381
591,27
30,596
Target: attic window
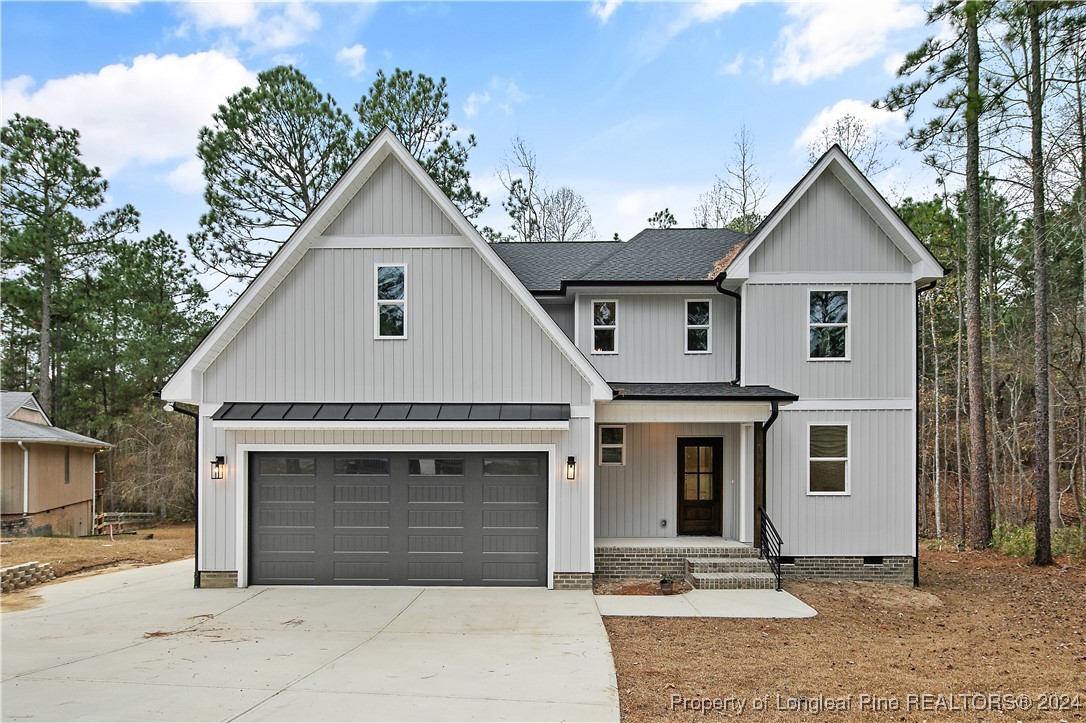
604,326
391,290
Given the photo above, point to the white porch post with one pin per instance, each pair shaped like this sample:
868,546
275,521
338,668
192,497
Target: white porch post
746,482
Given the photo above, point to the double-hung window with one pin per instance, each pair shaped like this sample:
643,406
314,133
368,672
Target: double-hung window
827,325
604,326
699,315
612,445
827,462
390,318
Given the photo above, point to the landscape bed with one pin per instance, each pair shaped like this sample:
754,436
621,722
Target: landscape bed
979,624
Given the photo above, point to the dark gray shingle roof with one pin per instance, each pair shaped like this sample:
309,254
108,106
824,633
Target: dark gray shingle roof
699,390
663,255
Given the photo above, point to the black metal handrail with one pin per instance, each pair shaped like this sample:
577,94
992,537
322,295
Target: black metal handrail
771,546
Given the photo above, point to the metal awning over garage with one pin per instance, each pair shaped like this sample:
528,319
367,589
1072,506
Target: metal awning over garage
391,415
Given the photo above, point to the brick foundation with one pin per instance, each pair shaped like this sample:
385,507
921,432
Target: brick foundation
19,577
890,569
572,581
218,579
620,563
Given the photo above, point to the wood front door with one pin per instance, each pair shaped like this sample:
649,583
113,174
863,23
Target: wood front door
701,485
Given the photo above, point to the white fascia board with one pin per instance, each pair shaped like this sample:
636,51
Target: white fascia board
600,389
666,412
396,424
180,387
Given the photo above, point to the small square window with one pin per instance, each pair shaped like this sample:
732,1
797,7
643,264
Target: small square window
699,314
612,445
604,326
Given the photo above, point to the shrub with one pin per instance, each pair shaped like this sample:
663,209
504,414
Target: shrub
1018,541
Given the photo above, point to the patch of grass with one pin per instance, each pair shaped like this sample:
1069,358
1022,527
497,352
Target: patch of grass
1019,541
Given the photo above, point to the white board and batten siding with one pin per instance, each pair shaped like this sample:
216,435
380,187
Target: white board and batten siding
650,337
633,498
469,339
828,240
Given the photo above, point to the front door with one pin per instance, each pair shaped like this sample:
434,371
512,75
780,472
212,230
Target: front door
701,485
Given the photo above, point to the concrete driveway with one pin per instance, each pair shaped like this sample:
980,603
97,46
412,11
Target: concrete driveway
141,645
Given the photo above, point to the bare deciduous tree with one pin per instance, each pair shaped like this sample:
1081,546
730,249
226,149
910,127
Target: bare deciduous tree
860,142
735,199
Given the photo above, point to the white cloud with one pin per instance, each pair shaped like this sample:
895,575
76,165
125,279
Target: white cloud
353,59
875,118
117,6
144,113
824,39
474,102
735,67
187,177
263,26
701,12
604,9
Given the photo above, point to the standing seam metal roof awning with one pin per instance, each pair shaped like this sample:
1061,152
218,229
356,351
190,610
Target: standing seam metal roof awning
287,412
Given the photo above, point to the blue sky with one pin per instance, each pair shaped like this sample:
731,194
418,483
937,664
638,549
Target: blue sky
634,105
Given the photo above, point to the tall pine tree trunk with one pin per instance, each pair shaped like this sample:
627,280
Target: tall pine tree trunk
1043,553
45,349
980,531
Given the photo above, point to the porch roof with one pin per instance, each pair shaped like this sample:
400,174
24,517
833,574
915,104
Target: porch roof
698,391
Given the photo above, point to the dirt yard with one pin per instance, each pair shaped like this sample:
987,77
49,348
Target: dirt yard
979,624
71,555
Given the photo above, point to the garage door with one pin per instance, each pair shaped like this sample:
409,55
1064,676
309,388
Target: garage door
345,518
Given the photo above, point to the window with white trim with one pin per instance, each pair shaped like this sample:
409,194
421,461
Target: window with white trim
612,445
827,459
699,315
604,326
827,324
391,291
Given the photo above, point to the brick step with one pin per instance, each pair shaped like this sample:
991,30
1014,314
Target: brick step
726,564
732,580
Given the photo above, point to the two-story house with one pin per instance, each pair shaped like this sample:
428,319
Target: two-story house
394,401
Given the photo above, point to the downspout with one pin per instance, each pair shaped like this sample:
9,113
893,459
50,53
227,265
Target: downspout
916,450
774,411
719,281
26,479
171,407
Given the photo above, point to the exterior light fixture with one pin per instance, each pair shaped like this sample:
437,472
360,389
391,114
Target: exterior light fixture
571,467
218,467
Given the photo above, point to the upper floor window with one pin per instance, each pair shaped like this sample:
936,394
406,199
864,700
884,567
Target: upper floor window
828,325
827,472
391,322
699,316
604,326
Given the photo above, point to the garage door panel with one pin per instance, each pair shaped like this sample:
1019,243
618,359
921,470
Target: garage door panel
401,519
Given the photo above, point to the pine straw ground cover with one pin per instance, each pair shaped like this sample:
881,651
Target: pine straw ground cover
979,624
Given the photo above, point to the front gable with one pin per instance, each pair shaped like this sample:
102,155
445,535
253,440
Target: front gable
303,329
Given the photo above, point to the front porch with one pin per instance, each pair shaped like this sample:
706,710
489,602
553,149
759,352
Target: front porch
707,563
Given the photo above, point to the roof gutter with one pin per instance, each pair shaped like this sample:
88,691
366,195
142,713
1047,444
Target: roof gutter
26,478
719,282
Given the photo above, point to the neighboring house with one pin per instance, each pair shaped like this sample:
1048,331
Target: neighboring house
46,473
394,401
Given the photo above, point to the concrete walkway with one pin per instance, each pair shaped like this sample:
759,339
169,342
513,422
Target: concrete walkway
141,645
707,604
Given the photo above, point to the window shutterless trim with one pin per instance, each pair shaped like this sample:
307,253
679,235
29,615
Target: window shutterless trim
811,325
847,459
621,446
378,302
688,327
606,327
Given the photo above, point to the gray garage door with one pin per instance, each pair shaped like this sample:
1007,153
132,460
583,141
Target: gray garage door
345,518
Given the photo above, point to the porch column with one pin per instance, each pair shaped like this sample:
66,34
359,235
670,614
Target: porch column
759,480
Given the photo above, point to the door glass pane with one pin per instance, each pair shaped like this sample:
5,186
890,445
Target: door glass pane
690,487
690,459
277,466
705,455
705,487
362,466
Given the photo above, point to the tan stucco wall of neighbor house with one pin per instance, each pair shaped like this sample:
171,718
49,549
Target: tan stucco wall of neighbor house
65,506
